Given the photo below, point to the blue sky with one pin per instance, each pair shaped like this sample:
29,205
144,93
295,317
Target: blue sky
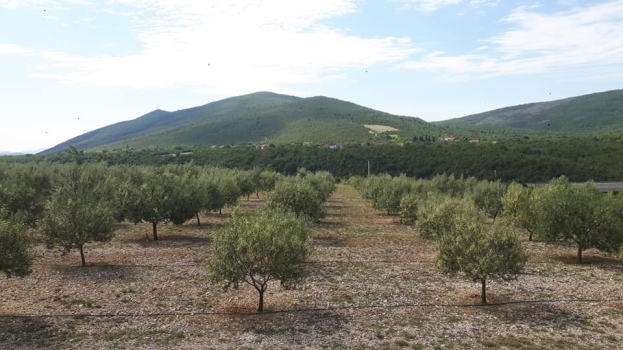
70,66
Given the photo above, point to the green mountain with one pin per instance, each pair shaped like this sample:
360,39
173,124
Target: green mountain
595,112
261,117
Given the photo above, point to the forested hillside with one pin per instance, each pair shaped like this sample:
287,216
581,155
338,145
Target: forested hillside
256,118
588,113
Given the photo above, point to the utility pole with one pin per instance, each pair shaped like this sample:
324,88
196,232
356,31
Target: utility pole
368,168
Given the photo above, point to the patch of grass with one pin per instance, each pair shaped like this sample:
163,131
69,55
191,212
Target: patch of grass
401,343
128,290
379,128
408,335
87,303
453,319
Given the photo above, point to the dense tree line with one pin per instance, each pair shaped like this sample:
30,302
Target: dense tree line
527,159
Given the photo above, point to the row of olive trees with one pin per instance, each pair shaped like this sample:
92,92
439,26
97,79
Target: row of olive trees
303,194
76,204
560,211
83,202
452,211
401,195
274,243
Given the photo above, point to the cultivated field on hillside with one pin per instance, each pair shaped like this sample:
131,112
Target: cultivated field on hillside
372,284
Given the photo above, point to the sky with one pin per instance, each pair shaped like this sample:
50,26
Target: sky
70,66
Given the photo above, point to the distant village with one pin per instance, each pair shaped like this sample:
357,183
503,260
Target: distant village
367,144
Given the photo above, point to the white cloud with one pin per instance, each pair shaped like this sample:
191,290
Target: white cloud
434,5
11,49
425,5
582,37
482,48
230,47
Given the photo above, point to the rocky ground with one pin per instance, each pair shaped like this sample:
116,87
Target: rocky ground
372,284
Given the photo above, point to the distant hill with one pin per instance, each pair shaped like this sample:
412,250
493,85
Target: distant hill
594,112
262,117
3,153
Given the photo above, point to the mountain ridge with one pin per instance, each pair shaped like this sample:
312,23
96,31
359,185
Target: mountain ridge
267,117
252,118
590,112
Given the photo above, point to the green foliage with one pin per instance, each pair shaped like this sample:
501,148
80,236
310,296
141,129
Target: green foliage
488,197
15,256
391,194
154,201
77,155
452,186
409,207
80,210
480,253
298,196
24,191
322,181
258,248
438,214
268,180
599,111
520,206
582,215
521,158
255,118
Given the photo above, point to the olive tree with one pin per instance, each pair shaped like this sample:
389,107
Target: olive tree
15,256
581,214
24,192
391,194
436,216
297,196
80,210
480,253
409,207
258,248
488,197
520,206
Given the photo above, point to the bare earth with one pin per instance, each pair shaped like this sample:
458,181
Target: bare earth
372,284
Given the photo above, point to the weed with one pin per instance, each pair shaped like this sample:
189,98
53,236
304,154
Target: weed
128,290
401,343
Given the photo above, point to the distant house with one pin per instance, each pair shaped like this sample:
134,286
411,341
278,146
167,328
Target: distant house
264,146
450,138
473,141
